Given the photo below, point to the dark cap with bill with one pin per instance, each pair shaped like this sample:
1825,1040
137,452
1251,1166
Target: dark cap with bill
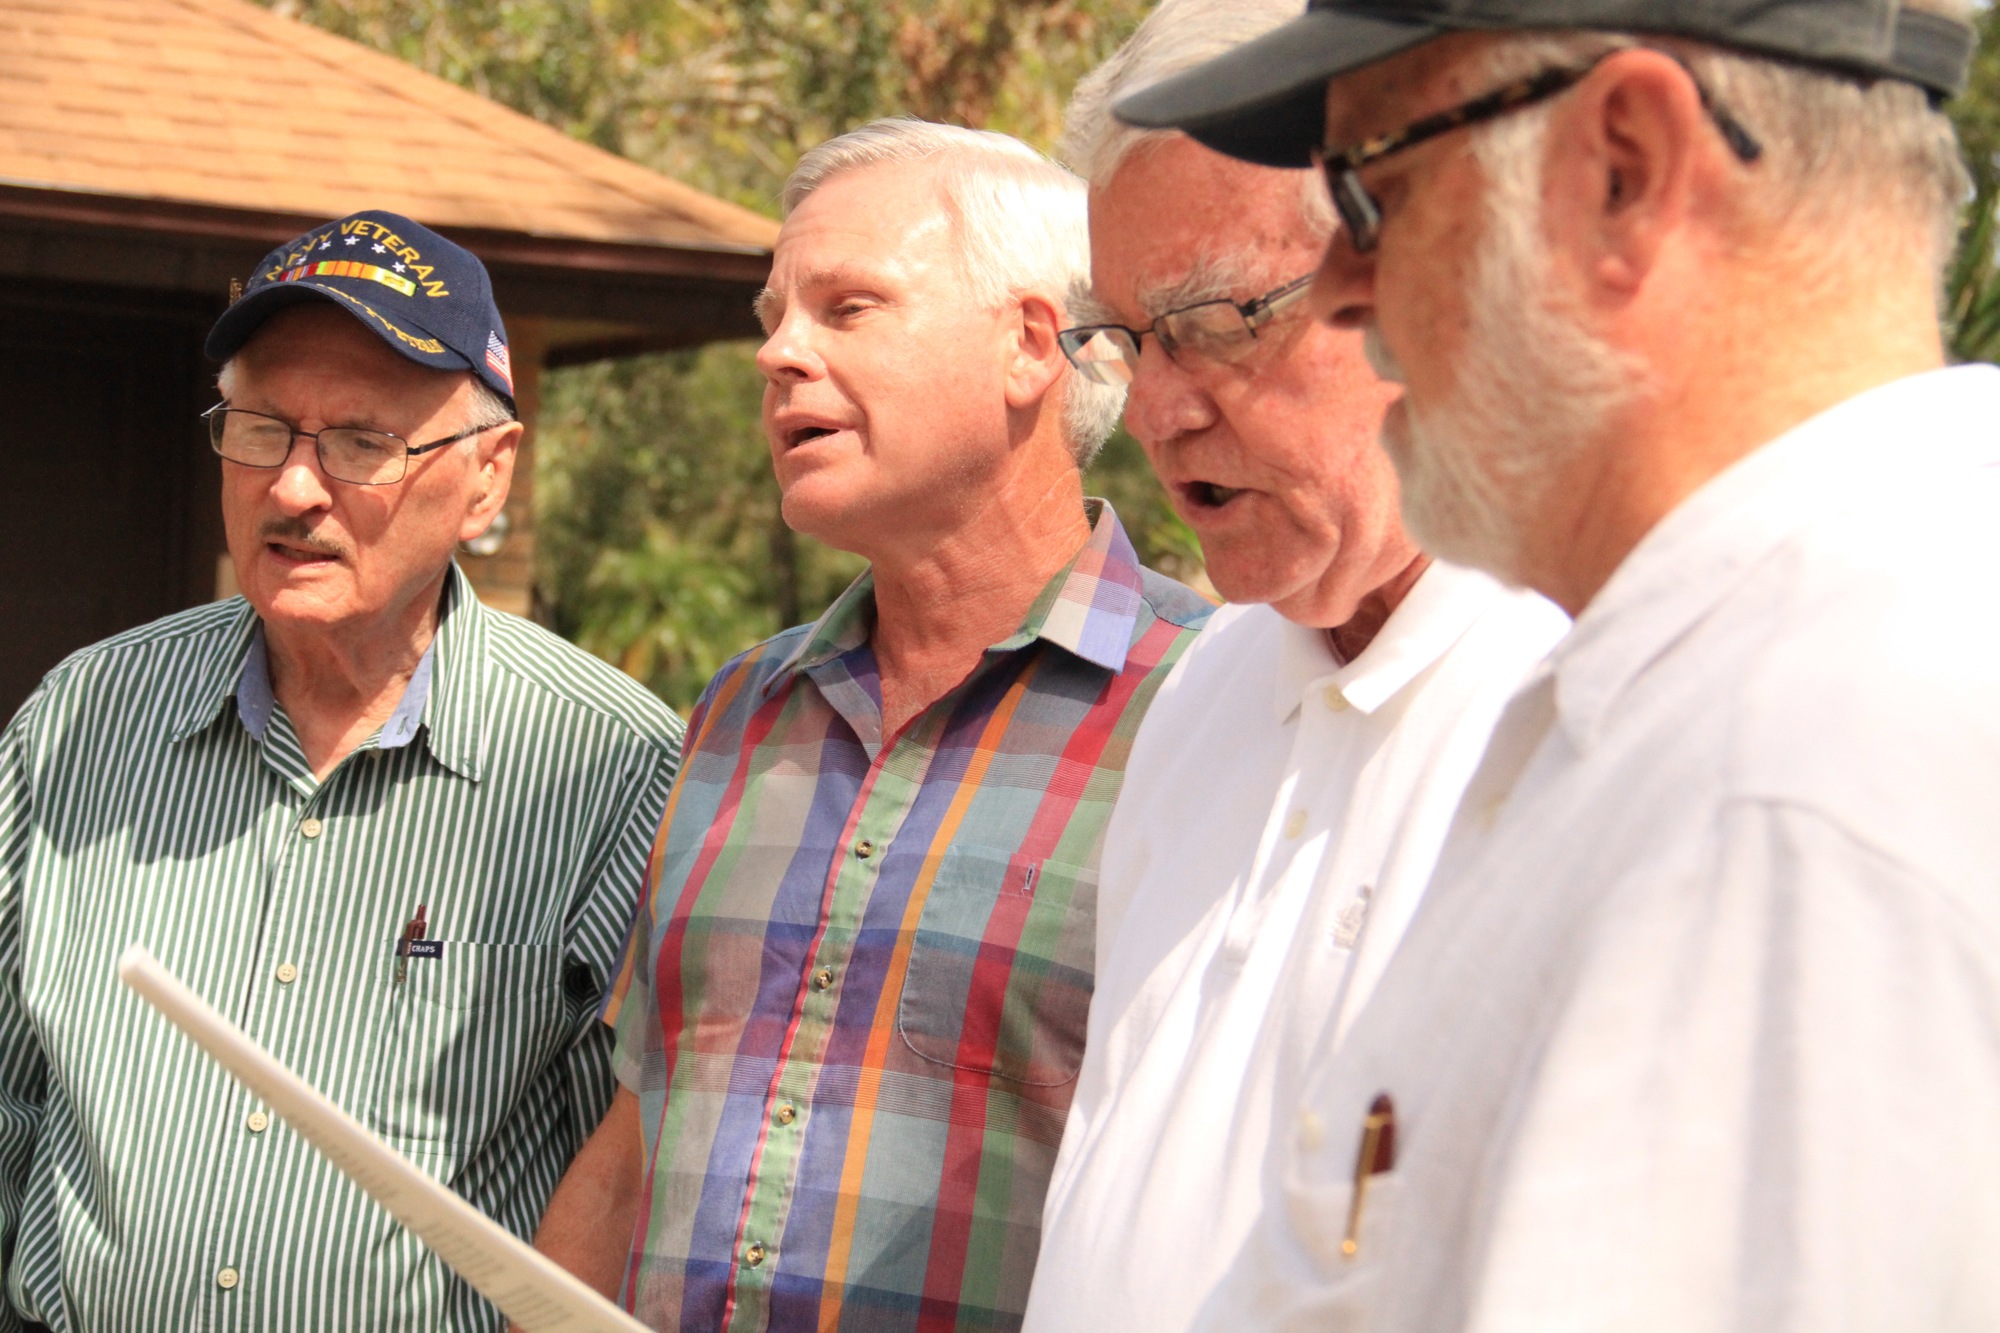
425,296
1265,101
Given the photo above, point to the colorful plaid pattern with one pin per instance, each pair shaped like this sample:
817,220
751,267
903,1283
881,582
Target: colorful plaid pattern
854,1006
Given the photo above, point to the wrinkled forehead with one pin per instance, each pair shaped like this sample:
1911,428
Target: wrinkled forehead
315,354
887,214
1178,223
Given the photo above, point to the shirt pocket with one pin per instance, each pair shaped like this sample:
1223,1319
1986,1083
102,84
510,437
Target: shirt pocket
1000,971
466,1032
1345,1290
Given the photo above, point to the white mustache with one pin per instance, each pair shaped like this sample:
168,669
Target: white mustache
296,532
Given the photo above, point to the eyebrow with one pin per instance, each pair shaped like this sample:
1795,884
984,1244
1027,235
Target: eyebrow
1083,308
1212,278
834,276
266,409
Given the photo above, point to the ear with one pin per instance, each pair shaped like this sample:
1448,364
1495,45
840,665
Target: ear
1035,359
1627,159
494,470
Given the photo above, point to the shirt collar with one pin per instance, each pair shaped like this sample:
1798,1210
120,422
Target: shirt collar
1888,439
1089,608
442,698
255,701
1432,616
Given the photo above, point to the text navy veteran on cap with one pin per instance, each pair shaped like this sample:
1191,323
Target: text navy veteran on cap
427,297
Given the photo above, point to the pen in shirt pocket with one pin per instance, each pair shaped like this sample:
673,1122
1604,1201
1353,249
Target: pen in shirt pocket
1377,1156
413,930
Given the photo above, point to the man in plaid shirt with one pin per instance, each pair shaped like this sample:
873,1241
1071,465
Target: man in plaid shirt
854,1001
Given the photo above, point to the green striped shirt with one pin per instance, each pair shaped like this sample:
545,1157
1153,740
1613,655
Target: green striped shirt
151,791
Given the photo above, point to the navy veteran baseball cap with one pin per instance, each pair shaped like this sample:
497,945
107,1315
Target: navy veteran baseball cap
1265,101
427,297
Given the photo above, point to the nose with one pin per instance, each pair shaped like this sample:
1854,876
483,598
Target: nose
1164,400
788,355
1343,290
300,487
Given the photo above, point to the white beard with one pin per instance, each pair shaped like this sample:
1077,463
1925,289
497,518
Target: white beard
1532,391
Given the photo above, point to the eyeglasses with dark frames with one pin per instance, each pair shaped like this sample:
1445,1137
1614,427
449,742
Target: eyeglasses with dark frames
346,453
1221,330
1360,212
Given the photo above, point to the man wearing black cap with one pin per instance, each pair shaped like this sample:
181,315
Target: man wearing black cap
396,835
1696,1027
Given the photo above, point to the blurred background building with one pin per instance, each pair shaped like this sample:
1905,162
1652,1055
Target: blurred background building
151,151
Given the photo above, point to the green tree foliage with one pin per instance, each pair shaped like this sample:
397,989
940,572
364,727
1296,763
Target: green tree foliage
660,546
660,543
1972,285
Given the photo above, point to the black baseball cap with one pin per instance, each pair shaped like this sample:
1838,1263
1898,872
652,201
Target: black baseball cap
425,296
1265,101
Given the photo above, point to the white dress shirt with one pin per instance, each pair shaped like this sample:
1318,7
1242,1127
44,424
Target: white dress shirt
1698,1027
1275,801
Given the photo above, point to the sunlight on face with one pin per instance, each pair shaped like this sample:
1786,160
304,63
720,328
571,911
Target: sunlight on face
311,551
1532,390
884,398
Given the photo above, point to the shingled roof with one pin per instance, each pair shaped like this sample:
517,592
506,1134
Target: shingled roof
217,119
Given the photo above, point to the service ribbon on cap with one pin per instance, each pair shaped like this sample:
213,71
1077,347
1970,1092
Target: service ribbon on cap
348,268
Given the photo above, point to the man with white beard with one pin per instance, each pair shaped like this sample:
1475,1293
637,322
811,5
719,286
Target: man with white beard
1295,778
1698,1027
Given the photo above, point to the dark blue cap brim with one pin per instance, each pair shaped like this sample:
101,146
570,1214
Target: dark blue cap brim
1265,101
241,321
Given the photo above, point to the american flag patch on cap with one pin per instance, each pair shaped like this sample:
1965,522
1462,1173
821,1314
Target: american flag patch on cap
496,357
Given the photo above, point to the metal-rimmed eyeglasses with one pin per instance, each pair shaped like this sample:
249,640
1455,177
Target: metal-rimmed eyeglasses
346,453
1360,212
1220,330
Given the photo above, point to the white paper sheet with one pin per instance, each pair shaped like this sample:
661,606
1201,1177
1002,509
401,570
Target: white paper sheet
529,1288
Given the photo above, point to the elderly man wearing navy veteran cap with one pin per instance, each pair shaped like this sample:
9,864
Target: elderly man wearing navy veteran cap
1698,1026
394,834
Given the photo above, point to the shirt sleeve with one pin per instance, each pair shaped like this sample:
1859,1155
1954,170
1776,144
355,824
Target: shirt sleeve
1769,1104
23,1072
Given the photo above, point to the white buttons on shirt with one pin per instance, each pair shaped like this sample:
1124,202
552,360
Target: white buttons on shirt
258,1122
1312,1131
1335,700
1295,823
227,1279
287,974
310,827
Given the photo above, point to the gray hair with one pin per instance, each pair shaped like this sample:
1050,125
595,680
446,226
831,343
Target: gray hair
1833,145
1022,228
1176,36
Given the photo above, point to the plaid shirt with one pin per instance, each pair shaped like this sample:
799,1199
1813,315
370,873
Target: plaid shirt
853,1006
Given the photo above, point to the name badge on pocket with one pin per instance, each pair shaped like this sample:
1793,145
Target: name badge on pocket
425,949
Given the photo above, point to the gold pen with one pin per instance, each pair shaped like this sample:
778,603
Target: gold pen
1377,1155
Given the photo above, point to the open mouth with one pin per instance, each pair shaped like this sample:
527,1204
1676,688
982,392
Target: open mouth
1208,495
806,435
